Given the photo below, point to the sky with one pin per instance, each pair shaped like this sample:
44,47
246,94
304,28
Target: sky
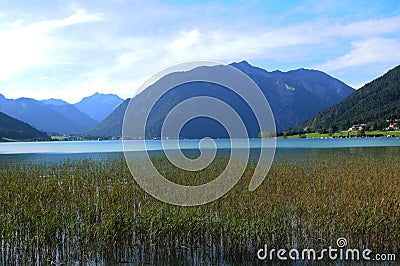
69,50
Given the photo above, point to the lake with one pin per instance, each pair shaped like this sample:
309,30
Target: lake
99,150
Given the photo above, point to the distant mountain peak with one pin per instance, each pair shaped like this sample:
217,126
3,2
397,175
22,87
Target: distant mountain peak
98,106
54,102
243,63
247,68
102,94
308,70
2,99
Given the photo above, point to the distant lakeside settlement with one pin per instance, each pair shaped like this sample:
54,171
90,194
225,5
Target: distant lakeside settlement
354,131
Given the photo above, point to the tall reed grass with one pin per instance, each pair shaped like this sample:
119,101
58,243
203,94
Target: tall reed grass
93,211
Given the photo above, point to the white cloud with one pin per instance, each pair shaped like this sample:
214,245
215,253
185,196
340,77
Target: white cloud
48,78
372,27
78,17
363,52
185,41
24,46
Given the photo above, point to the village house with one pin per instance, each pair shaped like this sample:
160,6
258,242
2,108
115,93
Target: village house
393,125
357,127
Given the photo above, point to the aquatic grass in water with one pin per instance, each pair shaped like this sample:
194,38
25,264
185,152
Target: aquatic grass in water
93,211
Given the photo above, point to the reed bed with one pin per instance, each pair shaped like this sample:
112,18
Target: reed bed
93,211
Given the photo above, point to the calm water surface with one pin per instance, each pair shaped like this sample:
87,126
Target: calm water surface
100,150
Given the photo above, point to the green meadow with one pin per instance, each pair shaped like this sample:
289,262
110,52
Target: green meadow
345,134
94,212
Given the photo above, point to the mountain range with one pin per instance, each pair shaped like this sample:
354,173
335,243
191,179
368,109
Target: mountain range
374,103
293,96
58,116
11,128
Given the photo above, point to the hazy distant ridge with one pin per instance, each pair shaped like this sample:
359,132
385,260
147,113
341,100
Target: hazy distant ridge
11,128
58,116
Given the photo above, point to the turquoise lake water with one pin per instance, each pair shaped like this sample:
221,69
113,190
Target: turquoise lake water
99,150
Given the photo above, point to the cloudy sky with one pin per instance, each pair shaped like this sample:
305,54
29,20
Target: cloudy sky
69,50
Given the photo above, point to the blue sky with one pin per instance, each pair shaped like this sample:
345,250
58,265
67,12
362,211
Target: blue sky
69,50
